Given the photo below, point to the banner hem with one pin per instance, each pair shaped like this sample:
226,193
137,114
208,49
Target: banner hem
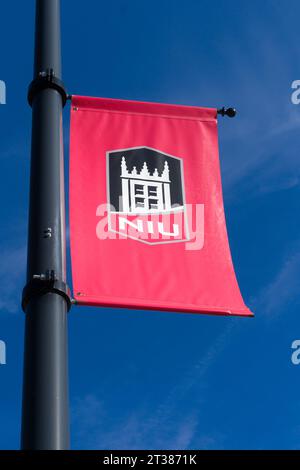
144,108
130,305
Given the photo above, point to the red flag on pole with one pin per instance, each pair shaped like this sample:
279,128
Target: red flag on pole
147,221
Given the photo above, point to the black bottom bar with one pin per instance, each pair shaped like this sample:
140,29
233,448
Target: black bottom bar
132,459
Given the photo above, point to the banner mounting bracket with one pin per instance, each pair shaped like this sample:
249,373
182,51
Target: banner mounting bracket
46,80
41,284
230,112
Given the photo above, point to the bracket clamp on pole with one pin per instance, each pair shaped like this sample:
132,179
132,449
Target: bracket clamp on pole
46,80
42,284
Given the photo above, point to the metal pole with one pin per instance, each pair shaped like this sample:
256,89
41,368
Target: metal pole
45,420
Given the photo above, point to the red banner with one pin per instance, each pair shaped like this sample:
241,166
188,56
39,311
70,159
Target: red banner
147,220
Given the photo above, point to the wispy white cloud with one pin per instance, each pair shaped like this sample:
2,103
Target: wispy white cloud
259,148
164,426
13,149
147,426
135,431
12,272
268,162
89,412
284,289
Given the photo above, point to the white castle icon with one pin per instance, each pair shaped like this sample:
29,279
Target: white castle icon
143,192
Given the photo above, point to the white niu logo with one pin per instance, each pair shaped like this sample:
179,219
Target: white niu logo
146,204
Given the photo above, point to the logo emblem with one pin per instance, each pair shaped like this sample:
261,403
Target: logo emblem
146,195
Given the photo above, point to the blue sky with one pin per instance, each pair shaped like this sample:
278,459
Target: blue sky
160,380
